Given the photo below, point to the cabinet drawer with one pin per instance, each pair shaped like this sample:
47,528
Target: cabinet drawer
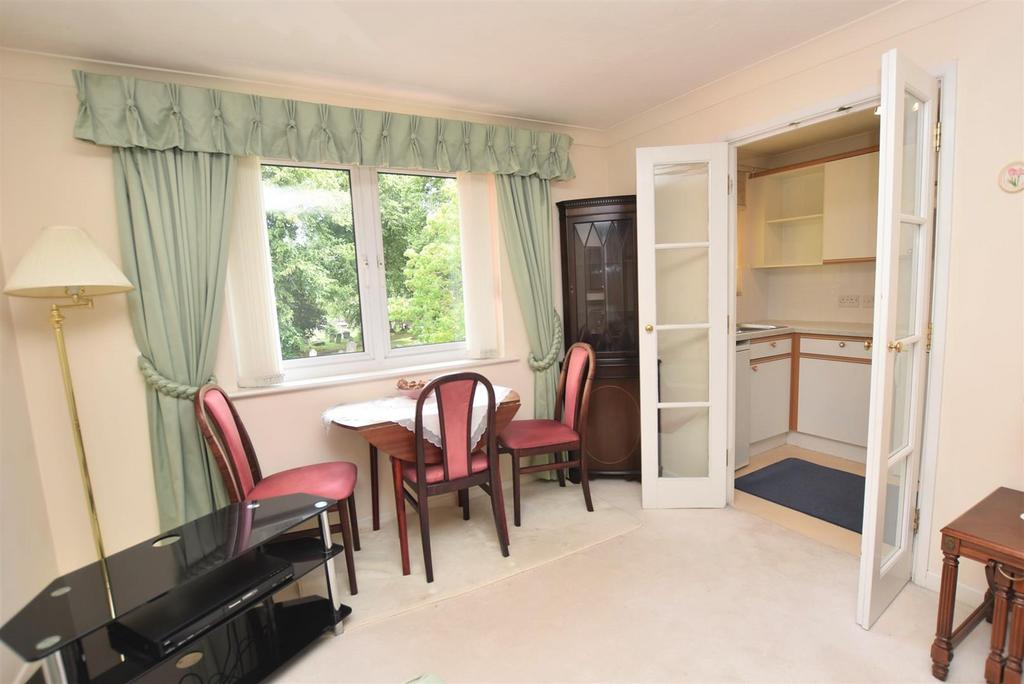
759,349
850,347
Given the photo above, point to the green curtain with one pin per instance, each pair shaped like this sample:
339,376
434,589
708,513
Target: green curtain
173,212
122,111
524,207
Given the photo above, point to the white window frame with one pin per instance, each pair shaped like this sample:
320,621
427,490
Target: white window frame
377,352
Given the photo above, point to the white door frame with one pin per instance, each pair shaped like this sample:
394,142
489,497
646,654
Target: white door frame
830,109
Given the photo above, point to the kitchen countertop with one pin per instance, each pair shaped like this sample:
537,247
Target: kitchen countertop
808,327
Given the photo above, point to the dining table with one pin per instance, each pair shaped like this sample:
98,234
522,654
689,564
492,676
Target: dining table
388,425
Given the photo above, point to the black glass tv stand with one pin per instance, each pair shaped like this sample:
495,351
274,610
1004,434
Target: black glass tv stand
199,603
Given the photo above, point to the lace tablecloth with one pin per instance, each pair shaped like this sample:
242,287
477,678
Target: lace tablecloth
402,410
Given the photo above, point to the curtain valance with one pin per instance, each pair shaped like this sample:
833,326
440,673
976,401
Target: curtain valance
121,111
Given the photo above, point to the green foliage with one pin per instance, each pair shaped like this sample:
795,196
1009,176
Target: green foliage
312,244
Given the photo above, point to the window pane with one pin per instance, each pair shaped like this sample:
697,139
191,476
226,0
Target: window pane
419,218
313,256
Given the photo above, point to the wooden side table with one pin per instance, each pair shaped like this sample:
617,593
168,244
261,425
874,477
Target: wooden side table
991,532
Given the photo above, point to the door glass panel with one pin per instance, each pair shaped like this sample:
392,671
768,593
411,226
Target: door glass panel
682,285
682,365
902,384
683,442
681,203
913,159
906,283
892,521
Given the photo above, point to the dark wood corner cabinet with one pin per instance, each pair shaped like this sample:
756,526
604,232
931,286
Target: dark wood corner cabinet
598,237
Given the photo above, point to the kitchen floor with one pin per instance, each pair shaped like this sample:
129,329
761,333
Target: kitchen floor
815,528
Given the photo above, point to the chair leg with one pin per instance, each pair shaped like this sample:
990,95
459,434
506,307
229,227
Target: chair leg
422,505
585,479
374,488
516,513
464,502
354,519
403,532
498,508
346,536
557,458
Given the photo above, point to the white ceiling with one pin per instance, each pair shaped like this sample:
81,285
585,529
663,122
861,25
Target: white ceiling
583,63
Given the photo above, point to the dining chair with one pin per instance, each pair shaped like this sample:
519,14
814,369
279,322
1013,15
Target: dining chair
566,432
461,466
229,442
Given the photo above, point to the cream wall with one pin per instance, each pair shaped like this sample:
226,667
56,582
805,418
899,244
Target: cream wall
27,558
49,177
980,444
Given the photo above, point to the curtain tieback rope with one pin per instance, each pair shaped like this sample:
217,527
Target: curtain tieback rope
539,366
165,385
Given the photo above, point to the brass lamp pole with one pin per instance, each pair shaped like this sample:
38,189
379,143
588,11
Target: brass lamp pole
64,262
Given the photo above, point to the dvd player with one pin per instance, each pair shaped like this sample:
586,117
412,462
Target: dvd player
165,624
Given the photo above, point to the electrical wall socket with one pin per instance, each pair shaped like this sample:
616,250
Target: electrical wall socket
868,301
849,301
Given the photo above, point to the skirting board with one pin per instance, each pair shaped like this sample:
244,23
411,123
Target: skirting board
964,592
851,452
831,447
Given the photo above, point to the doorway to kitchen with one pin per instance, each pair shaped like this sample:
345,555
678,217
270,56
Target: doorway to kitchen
807,212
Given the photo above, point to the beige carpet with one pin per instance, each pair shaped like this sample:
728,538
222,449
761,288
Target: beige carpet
466,554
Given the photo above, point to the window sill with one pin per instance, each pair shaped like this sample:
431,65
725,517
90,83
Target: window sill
368,376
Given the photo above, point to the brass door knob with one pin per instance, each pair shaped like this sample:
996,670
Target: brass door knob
649,328
896,347
867,345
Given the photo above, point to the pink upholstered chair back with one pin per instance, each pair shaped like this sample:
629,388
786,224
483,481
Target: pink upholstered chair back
454,396
228,441
574,385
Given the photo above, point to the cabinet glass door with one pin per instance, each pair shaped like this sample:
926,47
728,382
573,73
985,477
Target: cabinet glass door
901,333
682,229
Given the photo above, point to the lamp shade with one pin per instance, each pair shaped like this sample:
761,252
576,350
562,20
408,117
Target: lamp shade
65,260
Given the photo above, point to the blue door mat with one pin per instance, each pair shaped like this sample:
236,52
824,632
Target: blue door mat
828,494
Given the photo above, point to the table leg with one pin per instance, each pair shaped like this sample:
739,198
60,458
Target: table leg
332,575
53,668
1015,649
1000,611
403,532
942,647
374,488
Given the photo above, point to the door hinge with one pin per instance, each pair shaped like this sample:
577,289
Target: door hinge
928,341
730,186
917,520
938,135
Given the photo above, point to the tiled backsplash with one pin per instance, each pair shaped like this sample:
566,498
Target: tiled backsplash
809,293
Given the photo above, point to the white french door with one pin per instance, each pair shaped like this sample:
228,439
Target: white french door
906,183
682,258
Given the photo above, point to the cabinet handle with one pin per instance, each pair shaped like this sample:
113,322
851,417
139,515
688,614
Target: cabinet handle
842,344
774,344
753,368
867,345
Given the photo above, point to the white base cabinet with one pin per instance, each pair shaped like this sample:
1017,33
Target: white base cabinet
769,398
834,400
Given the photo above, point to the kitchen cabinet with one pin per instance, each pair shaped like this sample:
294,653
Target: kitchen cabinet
851,209
769,398
818,213
834,399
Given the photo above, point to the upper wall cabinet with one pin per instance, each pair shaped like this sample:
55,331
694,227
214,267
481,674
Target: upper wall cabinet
821,213
851,209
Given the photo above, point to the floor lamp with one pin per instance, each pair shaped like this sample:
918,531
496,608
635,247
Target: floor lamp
65,263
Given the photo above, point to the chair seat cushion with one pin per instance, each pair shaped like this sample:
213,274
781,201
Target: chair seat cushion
332,480
533,434
435,472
